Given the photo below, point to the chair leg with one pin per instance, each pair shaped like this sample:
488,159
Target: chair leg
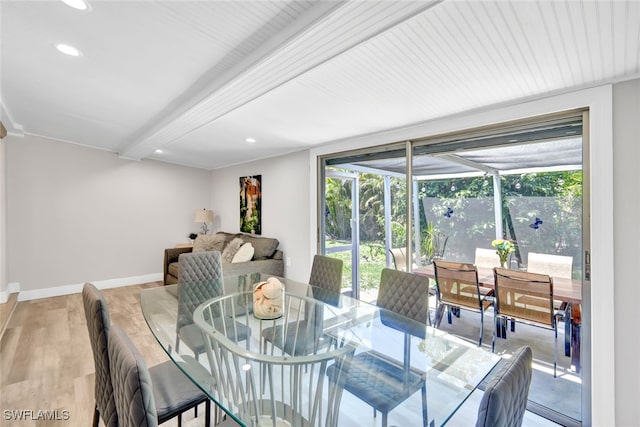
425,414
384,419
493,337
555,346
207,413
481,328
179,420
96,417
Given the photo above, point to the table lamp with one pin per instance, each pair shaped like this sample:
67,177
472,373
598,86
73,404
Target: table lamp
204,216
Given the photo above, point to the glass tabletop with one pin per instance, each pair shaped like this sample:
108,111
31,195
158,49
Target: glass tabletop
317,362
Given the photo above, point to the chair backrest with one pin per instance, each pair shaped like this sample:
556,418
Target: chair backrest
326,273
524,296
399,258
406,294
96,312
199,279
457,283
132,386
487,258
326,279
505,398
294,388
553,265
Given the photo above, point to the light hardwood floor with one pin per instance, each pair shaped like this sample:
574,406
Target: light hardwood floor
46,362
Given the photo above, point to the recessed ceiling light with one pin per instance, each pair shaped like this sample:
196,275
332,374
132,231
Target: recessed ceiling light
159,151
76,4
68,50
250,140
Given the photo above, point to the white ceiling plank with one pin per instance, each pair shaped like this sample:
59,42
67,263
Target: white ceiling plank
196,77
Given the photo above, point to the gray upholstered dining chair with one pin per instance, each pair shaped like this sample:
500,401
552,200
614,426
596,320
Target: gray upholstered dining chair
457,286
303,337
148,397
96,313
200,278
326,273
174,394
372,377
504,400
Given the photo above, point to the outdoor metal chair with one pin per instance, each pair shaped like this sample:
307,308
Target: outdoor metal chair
527,298
487,258
457,287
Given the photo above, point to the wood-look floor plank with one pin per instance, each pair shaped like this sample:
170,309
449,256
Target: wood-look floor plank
46,361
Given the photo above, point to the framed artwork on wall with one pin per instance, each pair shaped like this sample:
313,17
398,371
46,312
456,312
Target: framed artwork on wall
251,204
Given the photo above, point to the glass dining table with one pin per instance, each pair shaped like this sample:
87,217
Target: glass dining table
291,370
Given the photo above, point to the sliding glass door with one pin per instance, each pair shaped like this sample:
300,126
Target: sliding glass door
406,204
364,217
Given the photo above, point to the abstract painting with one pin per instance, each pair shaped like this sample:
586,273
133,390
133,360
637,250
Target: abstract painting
251,204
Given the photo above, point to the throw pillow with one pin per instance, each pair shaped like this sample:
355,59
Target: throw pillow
244,254
264,247
230,250
208,242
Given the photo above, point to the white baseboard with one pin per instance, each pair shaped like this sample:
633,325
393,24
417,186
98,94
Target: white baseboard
12,288
77,288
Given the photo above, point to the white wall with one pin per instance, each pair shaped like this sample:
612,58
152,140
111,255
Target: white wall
626,194
285,207
3,229
78,214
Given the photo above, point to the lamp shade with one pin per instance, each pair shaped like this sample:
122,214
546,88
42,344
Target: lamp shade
203,215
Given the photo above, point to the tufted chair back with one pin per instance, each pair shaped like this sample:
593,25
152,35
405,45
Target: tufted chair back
505,398
132,386
98,323
200,278
326,273
406,294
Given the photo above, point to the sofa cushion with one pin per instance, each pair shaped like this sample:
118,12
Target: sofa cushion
264,247
230,249
244,254
208,242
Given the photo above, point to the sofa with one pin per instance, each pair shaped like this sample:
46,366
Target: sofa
241,254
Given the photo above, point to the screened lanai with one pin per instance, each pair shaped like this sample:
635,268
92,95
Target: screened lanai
555,154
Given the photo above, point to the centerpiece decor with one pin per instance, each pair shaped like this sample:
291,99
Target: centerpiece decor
503,249
268,299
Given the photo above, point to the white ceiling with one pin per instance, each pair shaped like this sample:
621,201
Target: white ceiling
195,78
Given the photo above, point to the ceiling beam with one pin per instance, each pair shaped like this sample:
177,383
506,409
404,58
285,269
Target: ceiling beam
301,47
466,162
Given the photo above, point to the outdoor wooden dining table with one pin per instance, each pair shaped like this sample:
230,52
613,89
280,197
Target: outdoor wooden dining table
260,385
564,290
